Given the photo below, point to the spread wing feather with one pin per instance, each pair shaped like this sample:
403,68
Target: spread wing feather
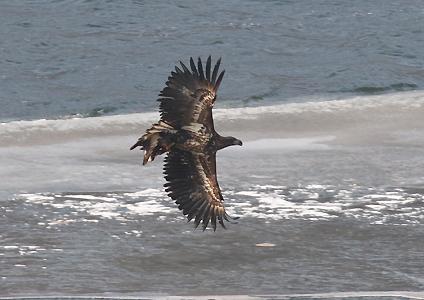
192,183
190,95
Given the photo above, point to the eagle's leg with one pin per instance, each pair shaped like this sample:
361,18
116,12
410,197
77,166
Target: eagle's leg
156,141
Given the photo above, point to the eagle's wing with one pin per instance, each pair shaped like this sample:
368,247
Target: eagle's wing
190,96
192,183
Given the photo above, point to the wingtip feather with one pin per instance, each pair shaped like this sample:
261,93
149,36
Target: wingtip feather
218,82
208,68
186,70
215,71
200,69
193,66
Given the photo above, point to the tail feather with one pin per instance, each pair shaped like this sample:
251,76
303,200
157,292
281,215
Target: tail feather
154,142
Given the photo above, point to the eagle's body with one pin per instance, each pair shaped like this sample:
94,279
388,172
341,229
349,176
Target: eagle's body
186,131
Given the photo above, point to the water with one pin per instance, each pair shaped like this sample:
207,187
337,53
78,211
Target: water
326,96
87,58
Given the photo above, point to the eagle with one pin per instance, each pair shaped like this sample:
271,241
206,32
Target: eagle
186,133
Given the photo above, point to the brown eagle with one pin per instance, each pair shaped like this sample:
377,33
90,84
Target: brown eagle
186,131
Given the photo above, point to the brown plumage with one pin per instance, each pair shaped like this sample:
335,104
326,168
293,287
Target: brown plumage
186,131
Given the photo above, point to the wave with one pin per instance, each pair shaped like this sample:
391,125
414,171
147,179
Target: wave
391,295
376,206
360,120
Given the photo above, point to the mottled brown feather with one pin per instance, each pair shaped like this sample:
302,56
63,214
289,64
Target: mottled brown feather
189,97
204,200
186,131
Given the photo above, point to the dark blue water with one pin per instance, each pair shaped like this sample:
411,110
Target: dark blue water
64,59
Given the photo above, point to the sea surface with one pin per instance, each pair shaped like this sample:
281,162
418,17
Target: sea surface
327,97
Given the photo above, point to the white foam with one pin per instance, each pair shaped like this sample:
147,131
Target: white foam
38,198
147,192
148,208
91,197
376,205
10,247
111,206
312,202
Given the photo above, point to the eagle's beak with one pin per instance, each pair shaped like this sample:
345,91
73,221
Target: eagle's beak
238,142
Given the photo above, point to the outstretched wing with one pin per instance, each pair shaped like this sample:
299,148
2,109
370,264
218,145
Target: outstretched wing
190,95
192,184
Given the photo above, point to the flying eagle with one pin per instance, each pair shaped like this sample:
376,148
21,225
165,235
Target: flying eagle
186,131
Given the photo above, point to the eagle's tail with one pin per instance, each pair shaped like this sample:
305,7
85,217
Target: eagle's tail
155,141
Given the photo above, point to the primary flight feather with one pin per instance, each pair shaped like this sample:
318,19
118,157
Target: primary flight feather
186,132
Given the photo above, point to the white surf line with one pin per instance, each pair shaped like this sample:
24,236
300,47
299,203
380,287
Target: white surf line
403,294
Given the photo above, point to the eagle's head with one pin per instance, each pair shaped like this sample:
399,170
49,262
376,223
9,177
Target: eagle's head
224,142
236,141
